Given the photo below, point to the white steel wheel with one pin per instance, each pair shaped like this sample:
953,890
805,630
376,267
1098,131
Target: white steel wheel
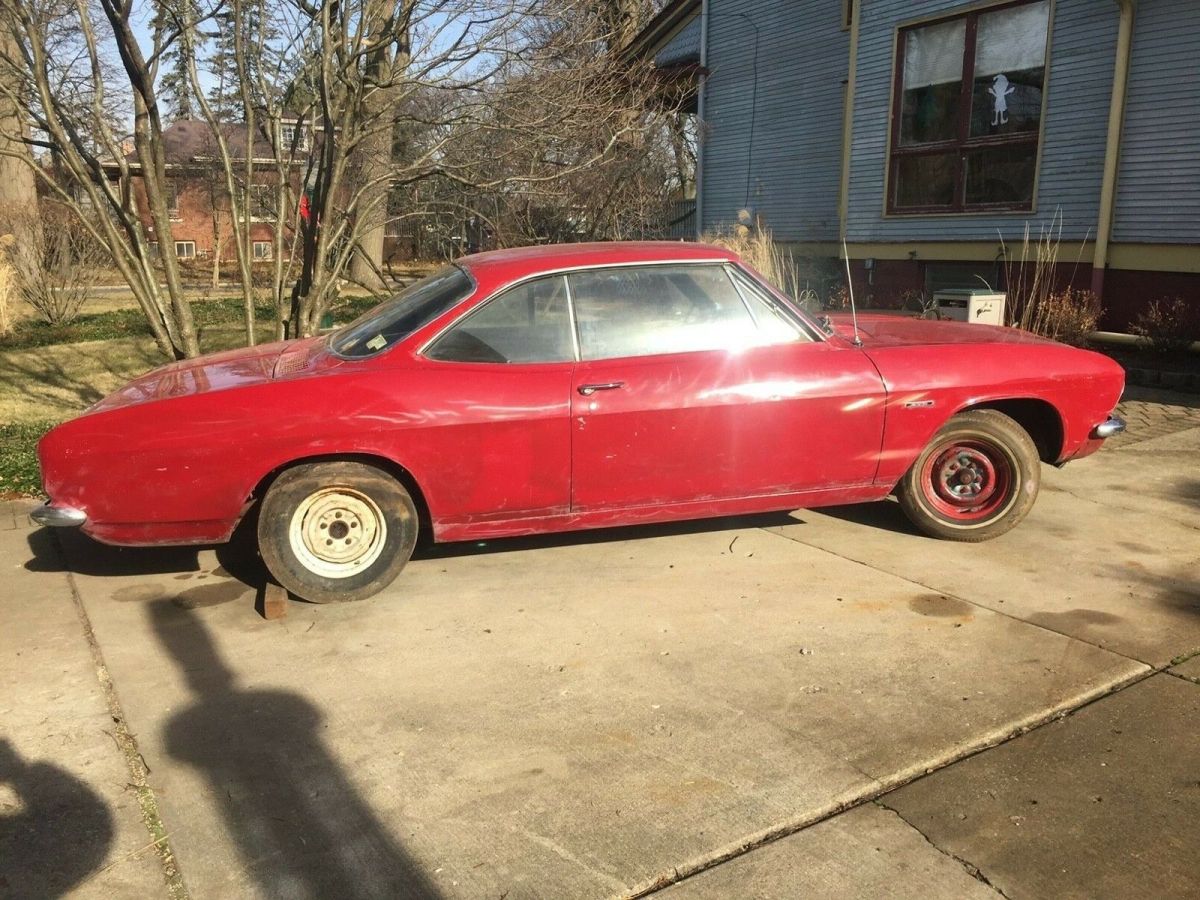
336,531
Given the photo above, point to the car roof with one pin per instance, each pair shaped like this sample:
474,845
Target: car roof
520,262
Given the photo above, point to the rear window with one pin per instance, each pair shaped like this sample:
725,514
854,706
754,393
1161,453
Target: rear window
394,320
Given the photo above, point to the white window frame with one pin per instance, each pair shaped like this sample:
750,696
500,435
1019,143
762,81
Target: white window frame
251,201
287,134
268,253
179,255
173,192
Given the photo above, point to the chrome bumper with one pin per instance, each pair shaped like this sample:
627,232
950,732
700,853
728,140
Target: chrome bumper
1114,425
58,516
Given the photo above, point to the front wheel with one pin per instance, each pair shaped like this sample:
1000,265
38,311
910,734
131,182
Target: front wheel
977,479
336,531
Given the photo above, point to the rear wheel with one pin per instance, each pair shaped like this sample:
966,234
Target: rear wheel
977,479
336,531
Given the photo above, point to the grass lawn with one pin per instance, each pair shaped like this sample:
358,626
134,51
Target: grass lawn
19,475
49,374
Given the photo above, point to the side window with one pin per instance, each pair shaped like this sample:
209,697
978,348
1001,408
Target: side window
658,309
529,323
775,326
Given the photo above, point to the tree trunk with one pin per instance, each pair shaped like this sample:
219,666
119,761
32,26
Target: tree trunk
18,191
376,149
148,143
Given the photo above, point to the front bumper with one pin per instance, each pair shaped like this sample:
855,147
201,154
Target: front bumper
58,516
1106,429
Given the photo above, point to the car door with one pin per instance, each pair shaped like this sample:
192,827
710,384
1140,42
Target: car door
502,444
695,384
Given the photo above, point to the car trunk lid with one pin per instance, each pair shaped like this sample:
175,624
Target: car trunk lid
219,371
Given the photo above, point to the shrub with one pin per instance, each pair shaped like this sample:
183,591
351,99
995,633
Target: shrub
57,264
917,302
1068,316
1166,325
839,299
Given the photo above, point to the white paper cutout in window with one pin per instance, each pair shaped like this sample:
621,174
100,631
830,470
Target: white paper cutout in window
1000,90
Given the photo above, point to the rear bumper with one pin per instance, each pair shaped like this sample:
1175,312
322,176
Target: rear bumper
1113,425
58,516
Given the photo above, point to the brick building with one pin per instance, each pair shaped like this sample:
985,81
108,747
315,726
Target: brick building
201,220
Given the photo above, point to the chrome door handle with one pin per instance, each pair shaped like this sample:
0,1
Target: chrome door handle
588,389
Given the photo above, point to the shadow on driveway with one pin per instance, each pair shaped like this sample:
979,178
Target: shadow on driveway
602,535
88,557
300,824
1179,592
885,515
239,557
55,831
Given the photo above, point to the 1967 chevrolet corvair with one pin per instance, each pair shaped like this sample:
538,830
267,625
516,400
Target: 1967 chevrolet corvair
566,387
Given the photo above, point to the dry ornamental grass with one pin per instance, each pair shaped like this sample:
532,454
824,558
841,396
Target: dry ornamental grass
757,247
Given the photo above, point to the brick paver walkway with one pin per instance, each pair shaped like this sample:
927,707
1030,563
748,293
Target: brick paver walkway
1153,413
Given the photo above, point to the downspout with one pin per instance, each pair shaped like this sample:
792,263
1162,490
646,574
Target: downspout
848,126
699,212
1112,150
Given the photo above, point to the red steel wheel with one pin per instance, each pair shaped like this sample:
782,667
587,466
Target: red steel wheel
967,480
978,478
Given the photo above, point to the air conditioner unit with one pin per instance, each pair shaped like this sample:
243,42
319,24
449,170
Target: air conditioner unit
980,307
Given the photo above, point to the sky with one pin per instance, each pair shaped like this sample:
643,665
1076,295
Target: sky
142,12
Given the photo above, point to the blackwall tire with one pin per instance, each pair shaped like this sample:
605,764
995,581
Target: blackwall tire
978,477
336,531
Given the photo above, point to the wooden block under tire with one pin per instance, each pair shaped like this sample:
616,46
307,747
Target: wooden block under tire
274,601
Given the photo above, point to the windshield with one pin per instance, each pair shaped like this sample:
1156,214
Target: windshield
394,320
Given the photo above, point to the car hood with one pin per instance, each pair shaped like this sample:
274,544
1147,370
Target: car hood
220,371
879,331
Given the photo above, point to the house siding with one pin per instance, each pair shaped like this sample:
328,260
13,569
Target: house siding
684,47
774,125
1158,187
1079,85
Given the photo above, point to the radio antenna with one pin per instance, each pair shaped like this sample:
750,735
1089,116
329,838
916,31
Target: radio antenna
850,288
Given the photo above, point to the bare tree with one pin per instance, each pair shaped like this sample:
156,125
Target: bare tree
577,144
514,119
344,81
58,77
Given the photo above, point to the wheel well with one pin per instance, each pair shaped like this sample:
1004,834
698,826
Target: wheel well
397,471
1039,419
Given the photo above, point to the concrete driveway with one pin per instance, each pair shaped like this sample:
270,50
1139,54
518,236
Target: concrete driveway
778,706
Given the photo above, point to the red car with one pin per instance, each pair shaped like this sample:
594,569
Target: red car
567,387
